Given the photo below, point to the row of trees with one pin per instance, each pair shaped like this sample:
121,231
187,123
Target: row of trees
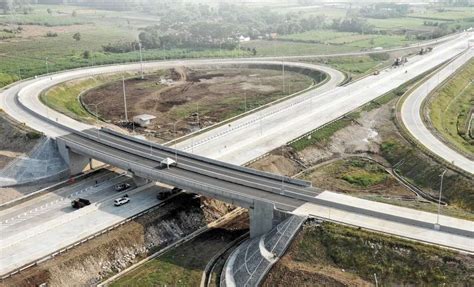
9,6
385,10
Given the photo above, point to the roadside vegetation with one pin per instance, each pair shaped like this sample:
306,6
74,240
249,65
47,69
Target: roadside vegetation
64,97
451,110
410,163
321,136
184,265
335,255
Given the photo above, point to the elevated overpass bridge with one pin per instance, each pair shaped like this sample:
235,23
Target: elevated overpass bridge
258,191
264,194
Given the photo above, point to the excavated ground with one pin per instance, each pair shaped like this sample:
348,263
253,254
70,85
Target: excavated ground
192,98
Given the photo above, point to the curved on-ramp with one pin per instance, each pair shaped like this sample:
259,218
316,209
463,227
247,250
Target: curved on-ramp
411,115
21,100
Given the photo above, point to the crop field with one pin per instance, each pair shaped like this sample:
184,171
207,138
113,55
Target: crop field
328,12
285,48
385,41
451,13
399,23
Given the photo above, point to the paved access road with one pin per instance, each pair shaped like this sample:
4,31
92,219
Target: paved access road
412,118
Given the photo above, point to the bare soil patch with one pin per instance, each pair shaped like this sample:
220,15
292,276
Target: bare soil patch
15,140
358,177
339,164
30,31
193,98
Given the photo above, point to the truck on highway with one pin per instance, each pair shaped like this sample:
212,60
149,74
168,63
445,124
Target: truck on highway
80,203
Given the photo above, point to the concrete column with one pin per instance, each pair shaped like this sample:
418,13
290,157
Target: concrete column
139,181
261,218
77,162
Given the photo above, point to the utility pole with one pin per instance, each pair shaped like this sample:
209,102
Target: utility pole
245,95
175,142
376,281
141,59
282,174
97,118
437,225
124,99
197,115
47,68
19,72
283,69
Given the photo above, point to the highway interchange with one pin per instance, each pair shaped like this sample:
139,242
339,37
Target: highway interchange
237,142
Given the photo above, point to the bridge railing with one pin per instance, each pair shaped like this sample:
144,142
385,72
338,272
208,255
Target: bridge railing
294,181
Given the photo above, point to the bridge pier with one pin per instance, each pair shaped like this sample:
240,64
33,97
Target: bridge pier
76,162
139,181
261,218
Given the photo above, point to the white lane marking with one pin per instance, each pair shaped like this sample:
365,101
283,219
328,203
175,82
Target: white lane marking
54,204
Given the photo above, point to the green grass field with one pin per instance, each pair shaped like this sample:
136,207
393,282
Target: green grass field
64,97
321,136
449,109
318,36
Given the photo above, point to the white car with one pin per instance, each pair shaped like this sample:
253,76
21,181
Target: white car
121,201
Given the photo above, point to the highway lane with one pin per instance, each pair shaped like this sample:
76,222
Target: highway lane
252,136
44,208
411,115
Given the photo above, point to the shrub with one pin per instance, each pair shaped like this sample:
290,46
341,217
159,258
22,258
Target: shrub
51,34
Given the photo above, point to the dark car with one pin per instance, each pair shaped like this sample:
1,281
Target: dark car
122,186
80,203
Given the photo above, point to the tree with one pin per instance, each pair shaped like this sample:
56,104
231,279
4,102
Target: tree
49,11
77,36
86,54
